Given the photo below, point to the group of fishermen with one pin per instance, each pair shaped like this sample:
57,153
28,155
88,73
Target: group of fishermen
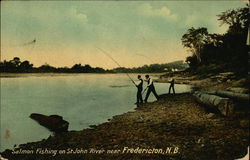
150,88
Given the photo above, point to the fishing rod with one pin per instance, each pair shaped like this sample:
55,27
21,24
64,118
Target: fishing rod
115,62
144,90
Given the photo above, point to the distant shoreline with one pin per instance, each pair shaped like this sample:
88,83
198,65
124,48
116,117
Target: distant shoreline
51,74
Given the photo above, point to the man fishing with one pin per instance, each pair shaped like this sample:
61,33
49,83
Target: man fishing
139,90
151,88
139,86
171,86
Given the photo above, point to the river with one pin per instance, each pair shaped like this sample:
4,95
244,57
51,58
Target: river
82,100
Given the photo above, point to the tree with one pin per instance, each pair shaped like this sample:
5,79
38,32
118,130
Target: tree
194,39
46,68
16,61
76,68
237,19
192,61
25,66
226,52
87,68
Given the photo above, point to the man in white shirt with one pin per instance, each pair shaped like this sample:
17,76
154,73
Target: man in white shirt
171,86
151,88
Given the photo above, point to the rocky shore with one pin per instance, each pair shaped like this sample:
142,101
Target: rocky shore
222,81
174,128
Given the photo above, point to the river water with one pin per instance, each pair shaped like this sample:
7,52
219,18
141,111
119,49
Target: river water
82,100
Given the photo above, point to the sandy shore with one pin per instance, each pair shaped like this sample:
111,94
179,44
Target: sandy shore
174,128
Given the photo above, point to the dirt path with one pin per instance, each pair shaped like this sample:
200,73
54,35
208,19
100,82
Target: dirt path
177,125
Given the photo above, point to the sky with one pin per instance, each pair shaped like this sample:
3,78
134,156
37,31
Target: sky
134,33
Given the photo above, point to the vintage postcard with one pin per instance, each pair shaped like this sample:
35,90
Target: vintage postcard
124,80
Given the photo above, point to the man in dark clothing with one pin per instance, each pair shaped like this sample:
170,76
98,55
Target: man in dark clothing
151,88
139,90
171,86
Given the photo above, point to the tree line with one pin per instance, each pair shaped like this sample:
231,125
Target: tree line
220,52
17,66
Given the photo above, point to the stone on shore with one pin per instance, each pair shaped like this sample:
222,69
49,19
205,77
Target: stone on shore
54,123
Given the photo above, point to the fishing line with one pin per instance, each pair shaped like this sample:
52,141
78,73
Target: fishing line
104,52
146,58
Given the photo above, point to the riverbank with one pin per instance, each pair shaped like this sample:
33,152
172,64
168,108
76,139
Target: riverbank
222,81
173,121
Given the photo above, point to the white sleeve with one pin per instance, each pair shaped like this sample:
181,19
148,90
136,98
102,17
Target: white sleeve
137,83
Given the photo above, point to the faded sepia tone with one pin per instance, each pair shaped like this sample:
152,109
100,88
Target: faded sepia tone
124,80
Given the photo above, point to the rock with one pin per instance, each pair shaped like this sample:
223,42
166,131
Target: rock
237,89
211,115
92,126
1,158
227,74
54,123
240,82
223,77
201,142
244,123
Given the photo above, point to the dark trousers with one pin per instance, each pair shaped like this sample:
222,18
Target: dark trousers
151,89
139,96
171,87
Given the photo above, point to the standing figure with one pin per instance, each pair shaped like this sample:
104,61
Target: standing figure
139,90
171,86
151,88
